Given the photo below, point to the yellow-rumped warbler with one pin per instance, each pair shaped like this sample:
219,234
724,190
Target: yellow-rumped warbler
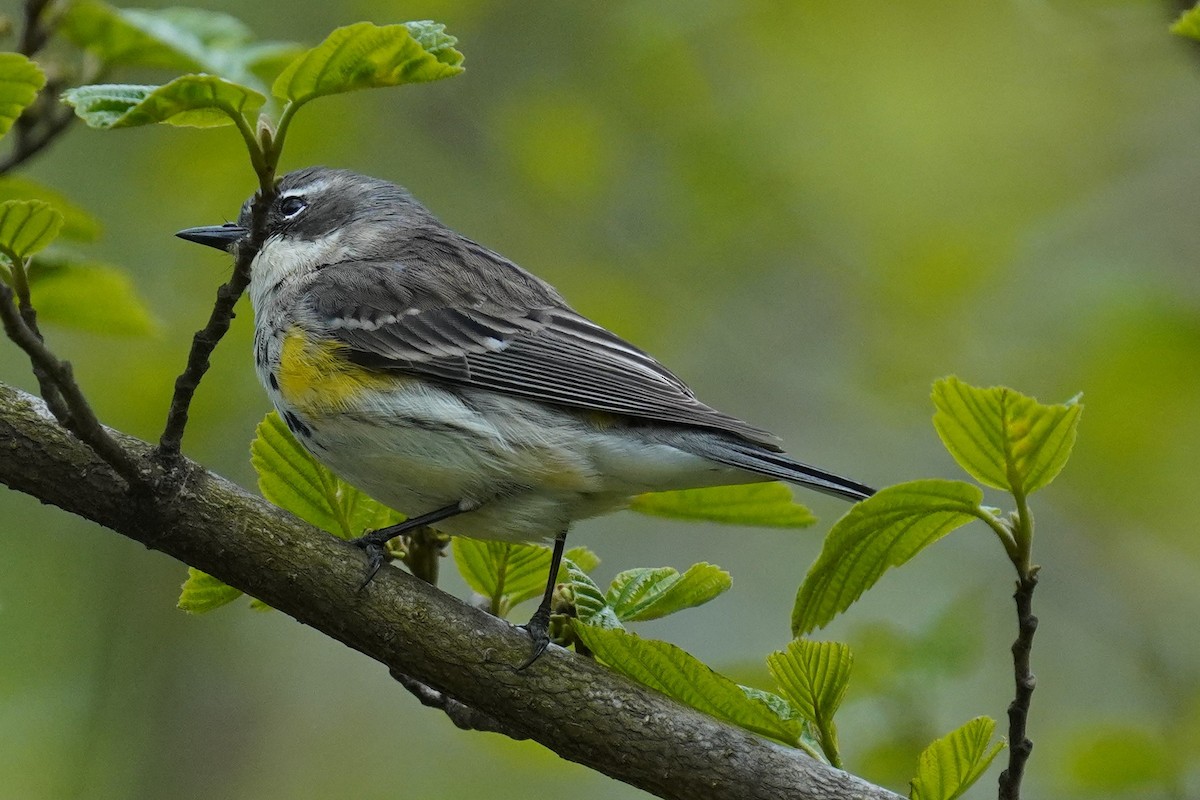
450,384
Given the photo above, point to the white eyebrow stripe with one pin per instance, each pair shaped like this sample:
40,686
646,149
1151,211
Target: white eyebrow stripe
314,187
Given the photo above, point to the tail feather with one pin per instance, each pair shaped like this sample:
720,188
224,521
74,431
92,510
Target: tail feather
782,467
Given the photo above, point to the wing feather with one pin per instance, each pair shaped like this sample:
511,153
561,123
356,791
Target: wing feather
533,346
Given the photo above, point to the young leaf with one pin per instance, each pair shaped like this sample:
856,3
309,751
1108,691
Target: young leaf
130,37
27,226
1003,438
292,479
590,605
761,504
20,82
1188,23
508,573
883,531
666,668
78,224
197,101
182,39
641,594
88,295
202,593
951,764
368,56
813,676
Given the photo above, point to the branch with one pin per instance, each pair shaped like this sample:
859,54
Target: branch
57,380
33,33
45,120
570,704
1019,745
30,140
206,339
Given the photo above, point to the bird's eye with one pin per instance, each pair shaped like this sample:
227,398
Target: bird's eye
291,207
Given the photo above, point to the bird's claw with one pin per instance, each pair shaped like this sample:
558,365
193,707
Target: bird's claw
538,629
376,556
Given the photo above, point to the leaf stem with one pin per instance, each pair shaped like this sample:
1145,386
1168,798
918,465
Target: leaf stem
281,129
424,554
1006,537
829,742
257,156
803,745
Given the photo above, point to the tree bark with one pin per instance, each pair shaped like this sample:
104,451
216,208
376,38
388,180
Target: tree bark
568,703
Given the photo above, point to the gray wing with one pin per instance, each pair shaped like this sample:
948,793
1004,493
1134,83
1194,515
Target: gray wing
528,344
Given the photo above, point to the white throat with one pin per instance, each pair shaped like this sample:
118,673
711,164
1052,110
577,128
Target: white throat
282,260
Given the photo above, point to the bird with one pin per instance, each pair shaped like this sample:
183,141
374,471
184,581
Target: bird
450,384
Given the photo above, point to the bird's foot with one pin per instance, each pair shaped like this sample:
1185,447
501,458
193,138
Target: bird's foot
538,629
375,546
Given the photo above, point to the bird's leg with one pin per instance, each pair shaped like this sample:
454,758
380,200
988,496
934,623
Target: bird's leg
373,542
539,624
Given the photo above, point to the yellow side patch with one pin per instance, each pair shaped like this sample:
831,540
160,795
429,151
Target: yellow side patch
315,376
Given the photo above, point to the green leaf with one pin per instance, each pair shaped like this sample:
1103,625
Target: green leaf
88,295
292,479
508,573
202,593
951,764
761,504
591,607
27,226
197,101
813,676
644,593
182,39
20,82
1003,438
1188,23
883,531
132,37
666,668
78,224
368,56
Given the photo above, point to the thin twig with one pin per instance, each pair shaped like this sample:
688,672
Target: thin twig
46,385
33,33
44,121
68,405
206,339
1019,745
29,142
203,343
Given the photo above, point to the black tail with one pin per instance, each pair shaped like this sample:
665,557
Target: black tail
778,465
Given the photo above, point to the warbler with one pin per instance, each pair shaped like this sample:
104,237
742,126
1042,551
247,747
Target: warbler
450,384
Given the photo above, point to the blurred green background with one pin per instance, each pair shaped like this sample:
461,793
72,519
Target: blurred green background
808,210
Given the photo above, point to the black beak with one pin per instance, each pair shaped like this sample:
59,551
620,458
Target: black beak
218,236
